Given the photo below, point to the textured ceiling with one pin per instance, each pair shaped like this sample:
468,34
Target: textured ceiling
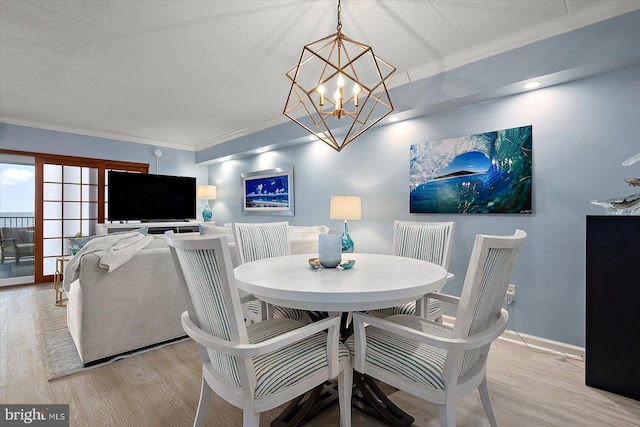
192,74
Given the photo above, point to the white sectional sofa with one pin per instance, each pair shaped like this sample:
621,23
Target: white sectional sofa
140,303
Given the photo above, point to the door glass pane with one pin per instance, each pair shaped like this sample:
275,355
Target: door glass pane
17,218
71,174
52,191
52,173
90,210
71,210
89,227
48,266
52,210
90,176
71,192
52,228
89,192
71,227
52,247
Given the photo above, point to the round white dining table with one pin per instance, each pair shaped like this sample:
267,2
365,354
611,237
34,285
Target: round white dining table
375,281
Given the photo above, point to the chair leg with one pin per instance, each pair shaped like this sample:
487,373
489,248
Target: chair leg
421,307
447,415
250,418
205,396
345,386
486,403
266,310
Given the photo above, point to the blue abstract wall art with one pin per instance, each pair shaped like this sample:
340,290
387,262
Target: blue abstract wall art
485,173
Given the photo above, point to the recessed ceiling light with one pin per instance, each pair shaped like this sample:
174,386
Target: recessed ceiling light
393,118
531,85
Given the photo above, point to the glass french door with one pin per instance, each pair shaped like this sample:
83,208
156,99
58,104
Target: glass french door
70,208
17,219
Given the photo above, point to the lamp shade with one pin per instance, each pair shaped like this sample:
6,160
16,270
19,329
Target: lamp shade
345,207
207,192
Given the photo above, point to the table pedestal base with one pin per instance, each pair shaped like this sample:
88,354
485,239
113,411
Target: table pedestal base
368,398
299,410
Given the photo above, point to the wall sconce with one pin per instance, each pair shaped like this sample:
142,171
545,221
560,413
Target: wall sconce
207,192
346,207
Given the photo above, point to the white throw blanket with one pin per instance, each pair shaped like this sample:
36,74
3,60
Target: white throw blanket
113,250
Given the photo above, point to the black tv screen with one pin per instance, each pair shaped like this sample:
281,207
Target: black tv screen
135,196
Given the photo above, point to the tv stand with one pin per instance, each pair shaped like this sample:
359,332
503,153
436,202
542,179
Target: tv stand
154,227
154,221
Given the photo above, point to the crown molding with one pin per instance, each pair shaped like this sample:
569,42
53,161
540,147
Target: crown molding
93,133
266,124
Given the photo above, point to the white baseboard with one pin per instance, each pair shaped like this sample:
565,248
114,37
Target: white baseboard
544,344
537,343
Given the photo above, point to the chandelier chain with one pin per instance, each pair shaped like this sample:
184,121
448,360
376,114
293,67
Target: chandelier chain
339,26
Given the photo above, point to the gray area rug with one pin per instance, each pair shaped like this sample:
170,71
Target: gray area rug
60,355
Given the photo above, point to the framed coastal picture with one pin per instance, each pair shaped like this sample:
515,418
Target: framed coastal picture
489,172
268,192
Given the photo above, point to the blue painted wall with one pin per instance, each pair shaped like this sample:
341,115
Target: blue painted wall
582,132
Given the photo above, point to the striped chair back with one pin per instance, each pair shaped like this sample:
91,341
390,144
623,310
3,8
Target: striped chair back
428,241
256,241
205,273
492,262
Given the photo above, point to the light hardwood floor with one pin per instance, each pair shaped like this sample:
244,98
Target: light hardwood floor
160,387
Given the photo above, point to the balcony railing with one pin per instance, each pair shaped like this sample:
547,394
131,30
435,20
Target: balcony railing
17,221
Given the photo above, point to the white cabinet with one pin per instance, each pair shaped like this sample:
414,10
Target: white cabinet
154,227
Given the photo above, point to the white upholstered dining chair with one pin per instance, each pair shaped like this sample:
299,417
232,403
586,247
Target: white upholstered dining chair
435,362
256,367
428,241
256,241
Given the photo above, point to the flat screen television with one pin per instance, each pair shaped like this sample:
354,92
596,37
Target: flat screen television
145,197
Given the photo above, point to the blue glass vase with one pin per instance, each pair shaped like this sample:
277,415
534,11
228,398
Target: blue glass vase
347,243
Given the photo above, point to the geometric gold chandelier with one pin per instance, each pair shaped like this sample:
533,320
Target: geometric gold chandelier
338,89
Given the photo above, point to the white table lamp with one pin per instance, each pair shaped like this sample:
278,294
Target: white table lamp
346,207
207,192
